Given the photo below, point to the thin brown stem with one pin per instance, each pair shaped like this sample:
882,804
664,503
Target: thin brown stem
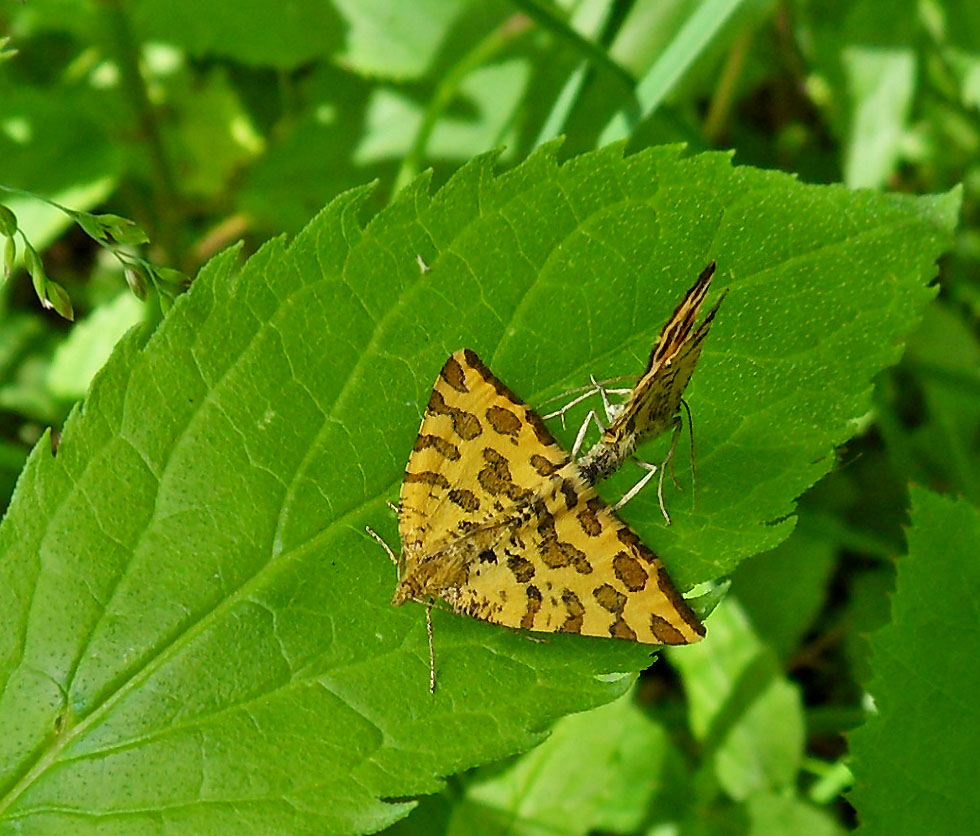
126,51
724,94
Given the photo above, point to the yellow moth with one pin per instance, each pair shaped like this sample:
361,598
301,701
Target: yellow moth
499,522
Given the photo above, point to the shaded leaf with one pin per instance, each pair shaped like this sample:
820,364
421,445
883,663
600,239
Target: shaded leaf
746,713
582,778
281,35
391,39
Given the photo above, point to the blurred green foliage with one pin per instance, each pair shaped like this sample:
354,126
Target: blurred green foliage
214,121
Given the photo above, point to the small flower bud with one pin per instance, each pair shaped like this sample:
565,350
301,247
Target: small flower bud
8,221
9,257
136,283
122,229
59,300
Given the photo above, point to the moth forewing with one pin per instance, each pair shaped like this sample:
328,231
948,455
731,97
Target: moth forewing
652,406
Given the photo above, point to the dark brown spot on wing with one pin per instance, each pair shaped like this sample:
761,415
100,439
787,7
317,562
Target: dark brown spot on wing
533,607
454,375
610,598
630,572
495,478
570,494
522,568
487,556
628,537
467,500
541,432
442,446
504,421
668,589
588,518
465,424
626,568
619,629
544,466
488,377
665,632
576,612
427,477
556,553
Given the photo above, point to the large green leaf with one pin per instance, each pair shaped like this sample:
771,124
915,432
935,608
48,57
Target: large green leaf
196,634
912,762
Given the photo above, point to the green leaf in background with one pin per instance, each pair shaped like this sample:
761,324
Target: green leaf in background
196,631
782,591
281,35
393,39
943,356
584,777
915,763
77,360
744,711
39,127
706,19
298,174
493,94
779,814
881,84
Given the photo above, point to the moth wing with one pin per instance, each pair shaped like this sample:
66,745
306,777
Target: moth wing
574,566
480,453
655,399
681,321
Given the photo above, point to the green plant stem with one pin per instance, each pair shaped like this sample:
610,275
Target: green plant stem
590,51
581,77
724,93
446,92
690,42
126,52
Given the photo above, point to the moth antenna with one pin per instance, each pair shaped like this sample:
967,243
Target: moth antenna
380,540
560,413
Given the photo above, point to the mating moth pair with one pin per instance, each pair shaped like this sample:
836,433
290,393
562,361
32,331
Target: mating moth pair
498,521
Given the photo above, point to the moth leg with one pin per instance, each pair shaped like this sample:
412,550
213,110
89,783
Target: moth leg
678,427
651,469
560,413
612,410
669,459
690,424
596,387
432,653
580,438
379,539
392,506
